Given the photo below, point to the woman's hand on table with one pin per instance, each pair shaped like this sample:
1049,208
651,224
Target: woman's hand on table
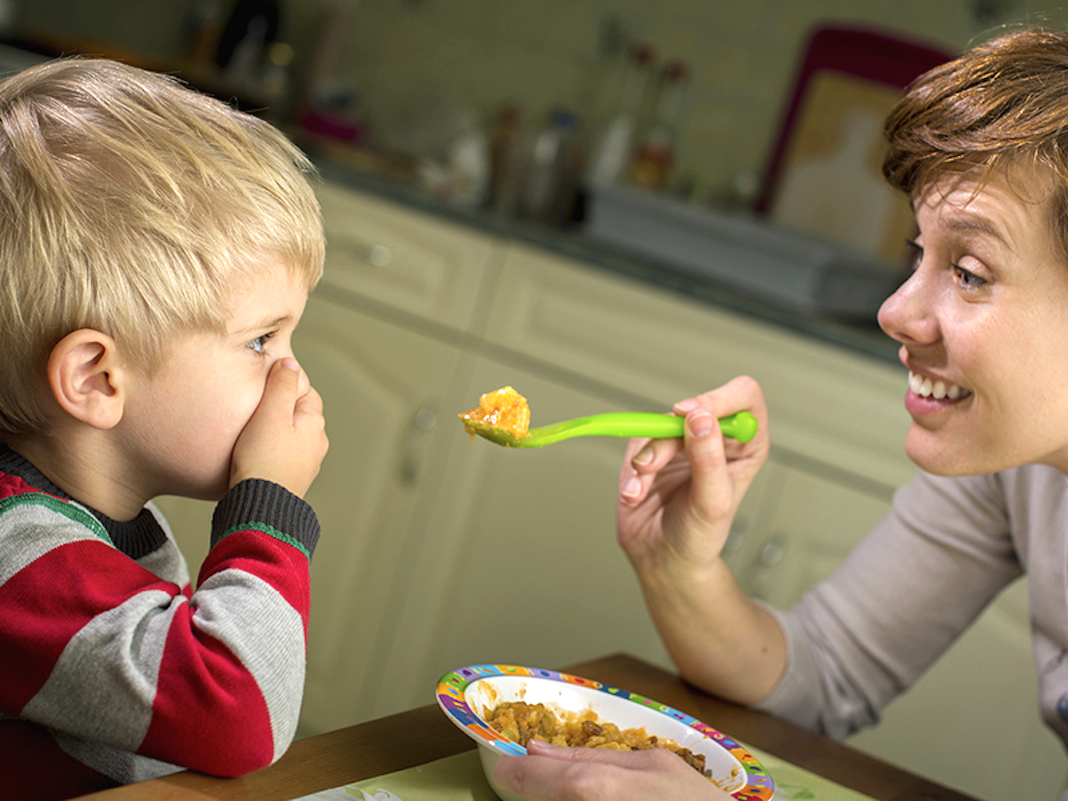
552,773
677,499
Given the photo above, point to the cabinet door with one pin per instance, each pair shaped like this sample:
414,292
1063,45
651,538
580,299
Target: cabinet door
814,523
382,388
517,561
410,262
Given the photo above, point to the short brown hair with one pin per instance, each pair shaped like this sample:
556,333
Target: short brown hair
1004,101
131,204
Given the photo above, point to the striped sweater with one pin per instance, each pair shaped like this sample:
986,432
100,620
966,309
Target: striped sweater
112,670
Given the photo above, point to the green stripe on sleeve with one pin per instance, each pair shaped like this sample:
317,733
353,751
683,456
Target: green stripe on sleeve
270,531
71,511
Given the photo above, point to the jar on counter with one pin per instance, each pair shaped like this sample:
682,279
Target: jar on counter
654,156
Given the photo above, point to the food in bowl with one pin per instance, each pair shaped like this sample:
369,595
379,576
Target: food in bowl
523,722
503,408
469,695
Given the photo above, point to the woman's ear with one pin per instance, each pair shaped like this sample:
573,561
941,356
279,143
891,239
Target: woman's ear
85,374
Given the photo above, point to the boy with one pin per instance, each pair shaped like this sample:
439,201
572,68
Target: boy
156,252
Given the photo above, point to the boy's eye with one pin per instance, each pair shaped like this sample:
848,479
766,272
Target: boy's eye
259,344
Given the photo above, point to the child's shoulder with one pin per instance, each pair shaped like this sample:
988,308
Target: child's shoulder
44,508
12,486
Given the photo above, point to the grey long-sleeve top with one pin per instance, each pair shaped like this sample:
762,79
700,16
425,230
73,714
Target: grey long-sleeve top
946,549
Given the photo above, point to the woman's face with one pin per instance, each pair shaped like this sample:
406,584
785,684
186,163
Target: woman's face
983,327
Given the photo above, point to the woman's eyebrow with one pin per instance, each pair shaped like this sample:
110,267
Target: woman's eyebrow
971,222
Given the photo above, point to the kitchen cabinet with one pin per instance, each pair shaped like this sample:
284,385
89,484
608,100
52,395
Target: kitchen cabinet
812,526
439,552
517,555
383,388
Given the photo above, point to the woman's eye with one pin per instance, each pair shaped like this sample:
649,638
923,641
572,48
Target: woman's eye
259,344
915,253
968,279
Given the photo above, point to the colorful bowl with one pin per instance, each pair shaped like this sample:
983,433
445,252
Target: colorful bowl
468,694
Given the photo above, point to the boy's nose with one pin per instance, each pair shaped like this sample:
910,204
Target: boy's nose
908,314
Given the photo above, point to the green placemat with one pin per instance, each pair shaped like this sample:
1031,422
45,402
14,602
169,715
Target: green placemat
460,778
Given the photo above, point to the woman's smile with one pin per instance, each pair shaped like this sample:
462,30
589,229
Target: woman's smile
929,395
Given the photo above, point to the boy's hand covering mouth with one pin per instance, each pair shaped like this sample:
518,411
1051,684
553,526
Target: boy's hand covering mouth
285,439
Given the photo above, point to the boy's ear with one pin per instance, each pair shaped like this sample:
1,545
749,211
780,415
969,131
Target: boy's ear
85,375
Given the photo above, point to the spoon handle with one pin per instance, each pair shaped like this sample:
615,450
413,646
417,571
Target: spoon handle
741,426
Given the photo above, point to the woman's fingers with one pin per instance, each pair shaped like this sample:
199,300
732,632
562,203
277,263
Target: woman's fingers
549,773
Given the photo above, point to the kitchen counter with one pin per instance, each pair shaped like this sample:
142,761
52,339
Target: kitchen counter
865,339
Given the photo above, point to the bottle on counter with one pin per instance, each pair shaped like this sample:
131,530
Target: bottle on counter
469,160
613,153
654,156
506,159
551,178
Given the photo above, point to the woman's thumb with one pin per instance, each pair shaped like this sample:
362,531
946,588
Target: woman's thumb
709,491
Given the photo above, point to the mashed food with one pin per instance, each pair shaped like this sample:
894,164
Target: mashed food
504,408
523,722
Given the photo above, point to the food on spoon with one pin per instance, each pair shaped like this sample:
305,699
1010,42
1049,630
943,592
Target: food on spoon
523,722
503,408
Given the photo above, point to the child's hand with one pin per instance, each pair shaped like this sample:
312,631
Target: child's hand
285,439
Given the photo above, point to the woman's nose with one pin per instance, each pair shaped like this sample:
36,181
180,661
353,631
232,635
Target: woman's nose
908,314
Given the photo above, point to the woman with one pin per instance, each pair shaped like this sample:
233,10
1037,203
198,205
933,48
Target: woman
981,147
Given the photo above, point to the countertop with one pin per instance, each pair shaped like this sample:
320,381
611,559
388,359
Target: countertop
859,338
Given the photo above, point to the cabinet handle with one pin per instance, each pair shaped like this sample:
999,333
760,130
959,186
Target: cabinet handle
423,422
772,553
758,582
377,255
735,537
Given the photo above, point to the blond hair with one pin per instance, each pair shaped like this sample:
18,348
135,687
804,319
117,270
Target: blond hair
1003,102
131,205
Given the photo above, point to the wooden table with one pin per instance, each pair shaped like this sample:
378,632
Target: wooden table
425,734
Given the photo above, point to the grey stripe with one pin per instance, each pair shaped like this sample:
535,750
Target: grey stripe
124,767
31,530
104,683
263,631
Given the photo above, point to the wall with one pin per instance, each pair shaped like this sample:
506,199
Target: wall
417,63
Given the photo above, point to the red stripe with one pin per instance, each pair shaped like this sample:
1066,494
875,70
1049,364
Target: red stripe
281,565
13,485
50,600
209,713
37,769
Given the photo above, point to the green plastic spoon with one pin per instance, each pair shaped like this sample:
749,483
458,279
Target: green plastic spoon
741,426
